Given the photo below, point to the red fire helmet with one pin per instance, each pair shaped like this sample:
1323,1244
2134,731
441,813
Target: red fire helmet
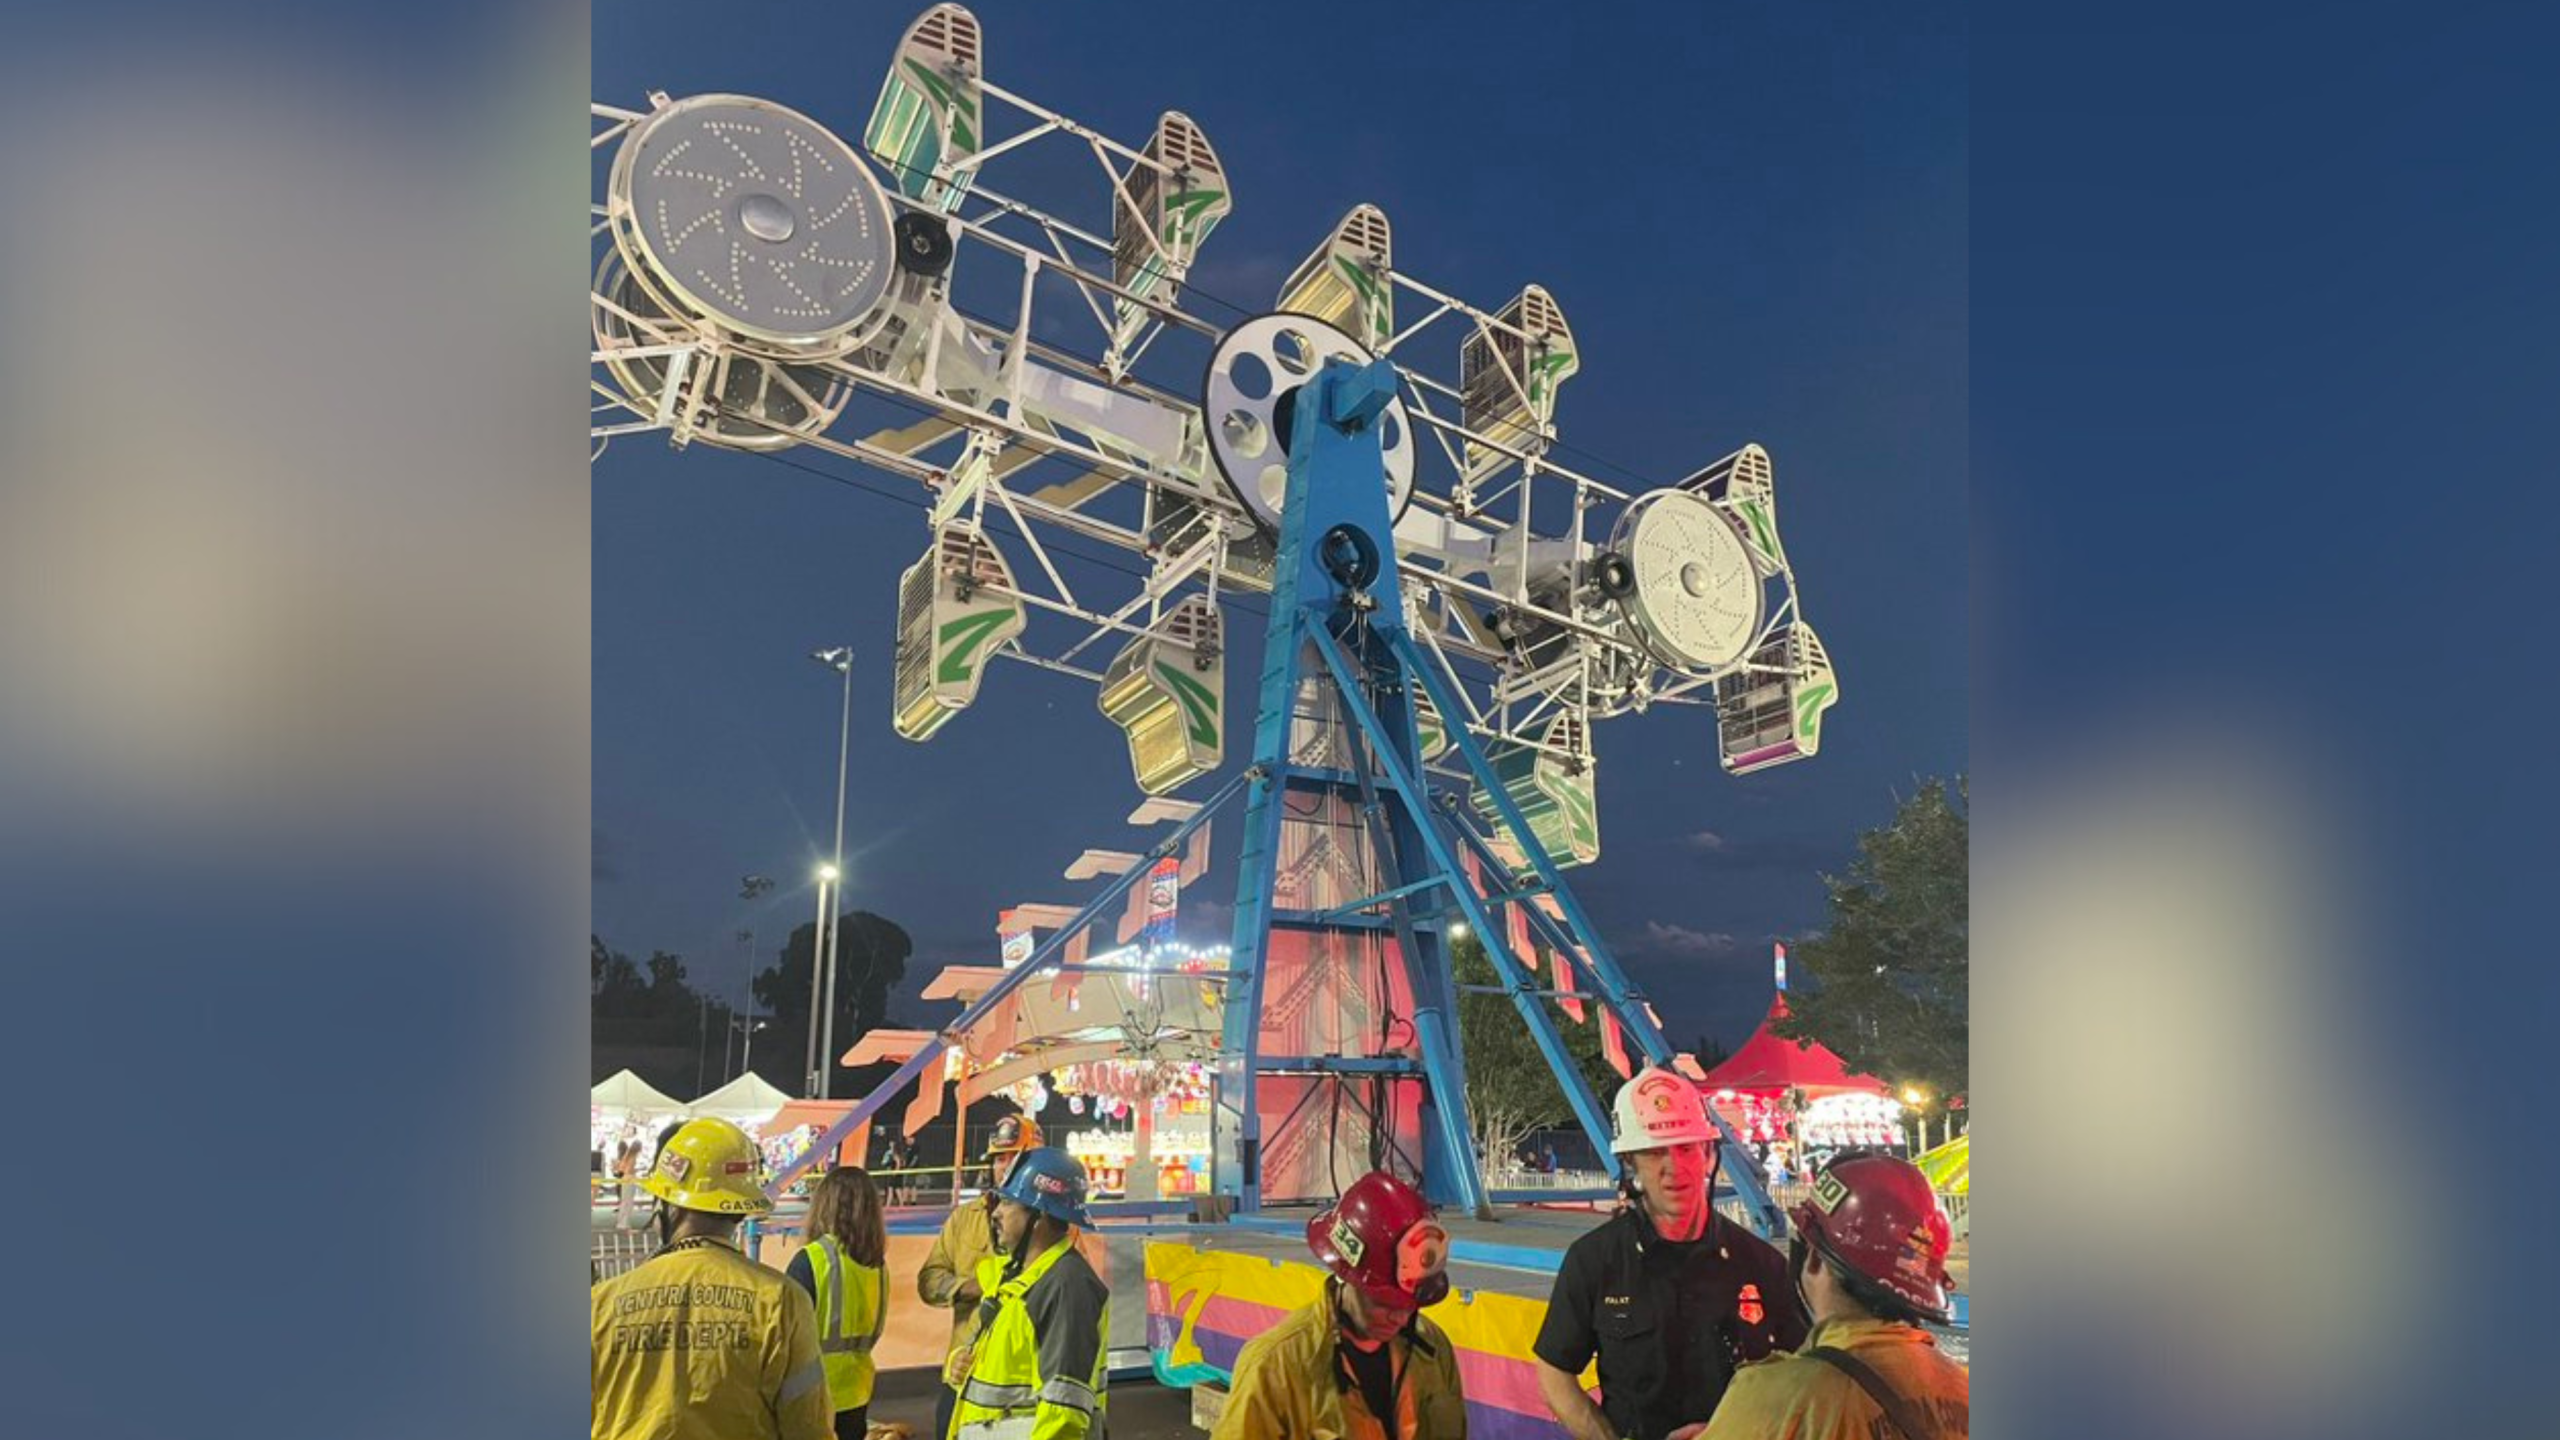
1381,1237
1876,1219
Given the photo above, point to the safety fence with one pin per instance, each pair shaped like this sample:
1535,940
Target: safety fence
921,1185
1515,1178
615,1250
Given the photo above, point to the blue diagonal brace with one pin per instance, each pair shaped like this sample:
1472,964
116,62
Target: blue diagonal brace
1541,1026
1741,1170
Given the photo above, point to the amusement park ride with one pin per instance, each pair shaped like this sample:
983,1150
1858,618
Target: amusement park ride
1451,611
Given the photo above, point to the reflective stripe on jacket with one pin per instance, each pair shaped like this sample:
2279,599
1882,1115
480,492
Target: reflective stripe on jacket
1037,1369
852,1308
1290,1386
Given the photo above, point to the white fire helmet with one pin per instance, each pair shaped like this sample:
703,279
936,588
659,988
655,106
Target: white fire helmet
1659,1109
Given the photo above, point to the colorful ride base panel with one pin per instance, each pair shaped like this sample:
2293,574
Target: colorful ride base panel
1203,1305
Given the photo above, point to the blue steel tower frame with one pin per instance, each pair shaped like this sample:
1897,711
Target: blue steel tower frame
1338,612
1337,616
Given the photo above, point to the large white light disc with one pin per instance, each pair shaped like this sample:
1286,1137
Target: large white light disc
1260,362
764,404
755,217
1697,601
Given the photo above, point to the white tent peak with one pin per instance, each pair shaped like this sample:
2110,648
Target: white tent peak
747,1100
630,1095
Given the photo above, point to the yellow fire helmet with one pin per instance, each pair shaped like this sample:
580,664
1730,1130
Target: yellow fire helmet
710,1165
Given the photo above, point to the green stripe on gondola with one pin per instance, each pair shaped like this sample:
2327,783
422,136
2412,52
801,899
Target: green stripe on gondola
1809,711
1199,704
962,636
1760,529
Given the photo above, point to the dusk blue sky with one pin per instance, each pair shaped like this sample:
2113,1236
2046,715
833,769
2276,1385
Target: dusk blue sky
1756,225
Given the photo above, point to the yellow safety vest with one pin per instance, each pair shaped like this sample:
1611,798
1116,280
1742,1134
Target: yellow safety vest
852,1308
1005,1396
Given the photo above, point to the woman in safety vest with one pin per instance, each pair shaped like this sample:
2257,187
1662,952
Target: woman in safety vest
1361,1362
840,1267
1035,1371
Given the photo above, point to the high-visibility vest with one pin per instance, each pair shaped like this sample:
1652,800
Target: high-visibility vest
852,1309
1005,1396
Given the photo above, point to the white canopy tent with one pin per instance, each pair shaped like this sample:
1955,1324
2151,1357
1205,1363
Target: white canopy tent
625,1096
747,1100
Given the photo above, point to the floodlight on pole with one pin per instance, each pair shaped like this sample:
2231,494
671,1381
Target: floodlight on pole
817,982
821,1060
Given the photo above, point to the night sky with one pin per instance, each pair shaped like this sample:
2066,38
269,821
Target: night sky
1756,224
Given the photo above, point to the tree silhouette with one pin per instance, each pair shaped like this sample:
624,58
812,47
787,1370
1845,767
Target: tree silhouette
1886,985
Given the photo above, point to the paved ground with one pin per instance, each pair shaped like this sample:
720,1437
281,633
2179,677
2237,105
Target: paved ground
1140,1409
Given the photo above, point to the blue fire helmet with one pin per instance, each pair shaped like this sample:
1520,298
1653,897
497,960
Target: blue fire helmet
1050,1181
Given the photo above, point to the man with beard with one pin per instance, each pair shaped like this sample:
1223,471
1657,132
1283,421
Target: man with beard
949,1277
1036,1370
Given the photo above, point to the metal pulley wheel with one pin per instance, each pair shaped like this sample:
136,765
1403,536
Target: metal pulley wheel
1249,400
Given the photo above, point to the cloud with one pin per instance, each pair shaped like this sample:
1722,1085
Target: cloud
1661,939
1783,854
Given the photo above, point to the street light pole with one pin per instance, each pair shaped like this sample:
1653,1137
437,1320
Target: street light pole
750,888
840,659
817,978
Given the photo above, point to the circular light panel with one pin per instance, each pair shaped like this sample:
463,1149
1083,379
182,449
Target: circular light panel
757,409
1262,362
1697,599
755,217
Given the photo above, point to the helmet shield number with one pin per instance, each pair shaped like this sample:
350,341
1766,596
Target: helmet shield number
1347,1242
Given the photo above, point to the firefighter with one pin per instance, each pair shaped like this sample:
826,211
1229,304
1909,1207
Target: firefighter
1362,1362
700,1342
1670,1296
949,1279
1035,1372
1870,1253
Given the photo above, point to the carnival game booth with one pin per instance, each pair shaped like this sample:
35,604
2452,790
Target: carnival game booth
1130,1036
1799,1098
1127,1038
624,1110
